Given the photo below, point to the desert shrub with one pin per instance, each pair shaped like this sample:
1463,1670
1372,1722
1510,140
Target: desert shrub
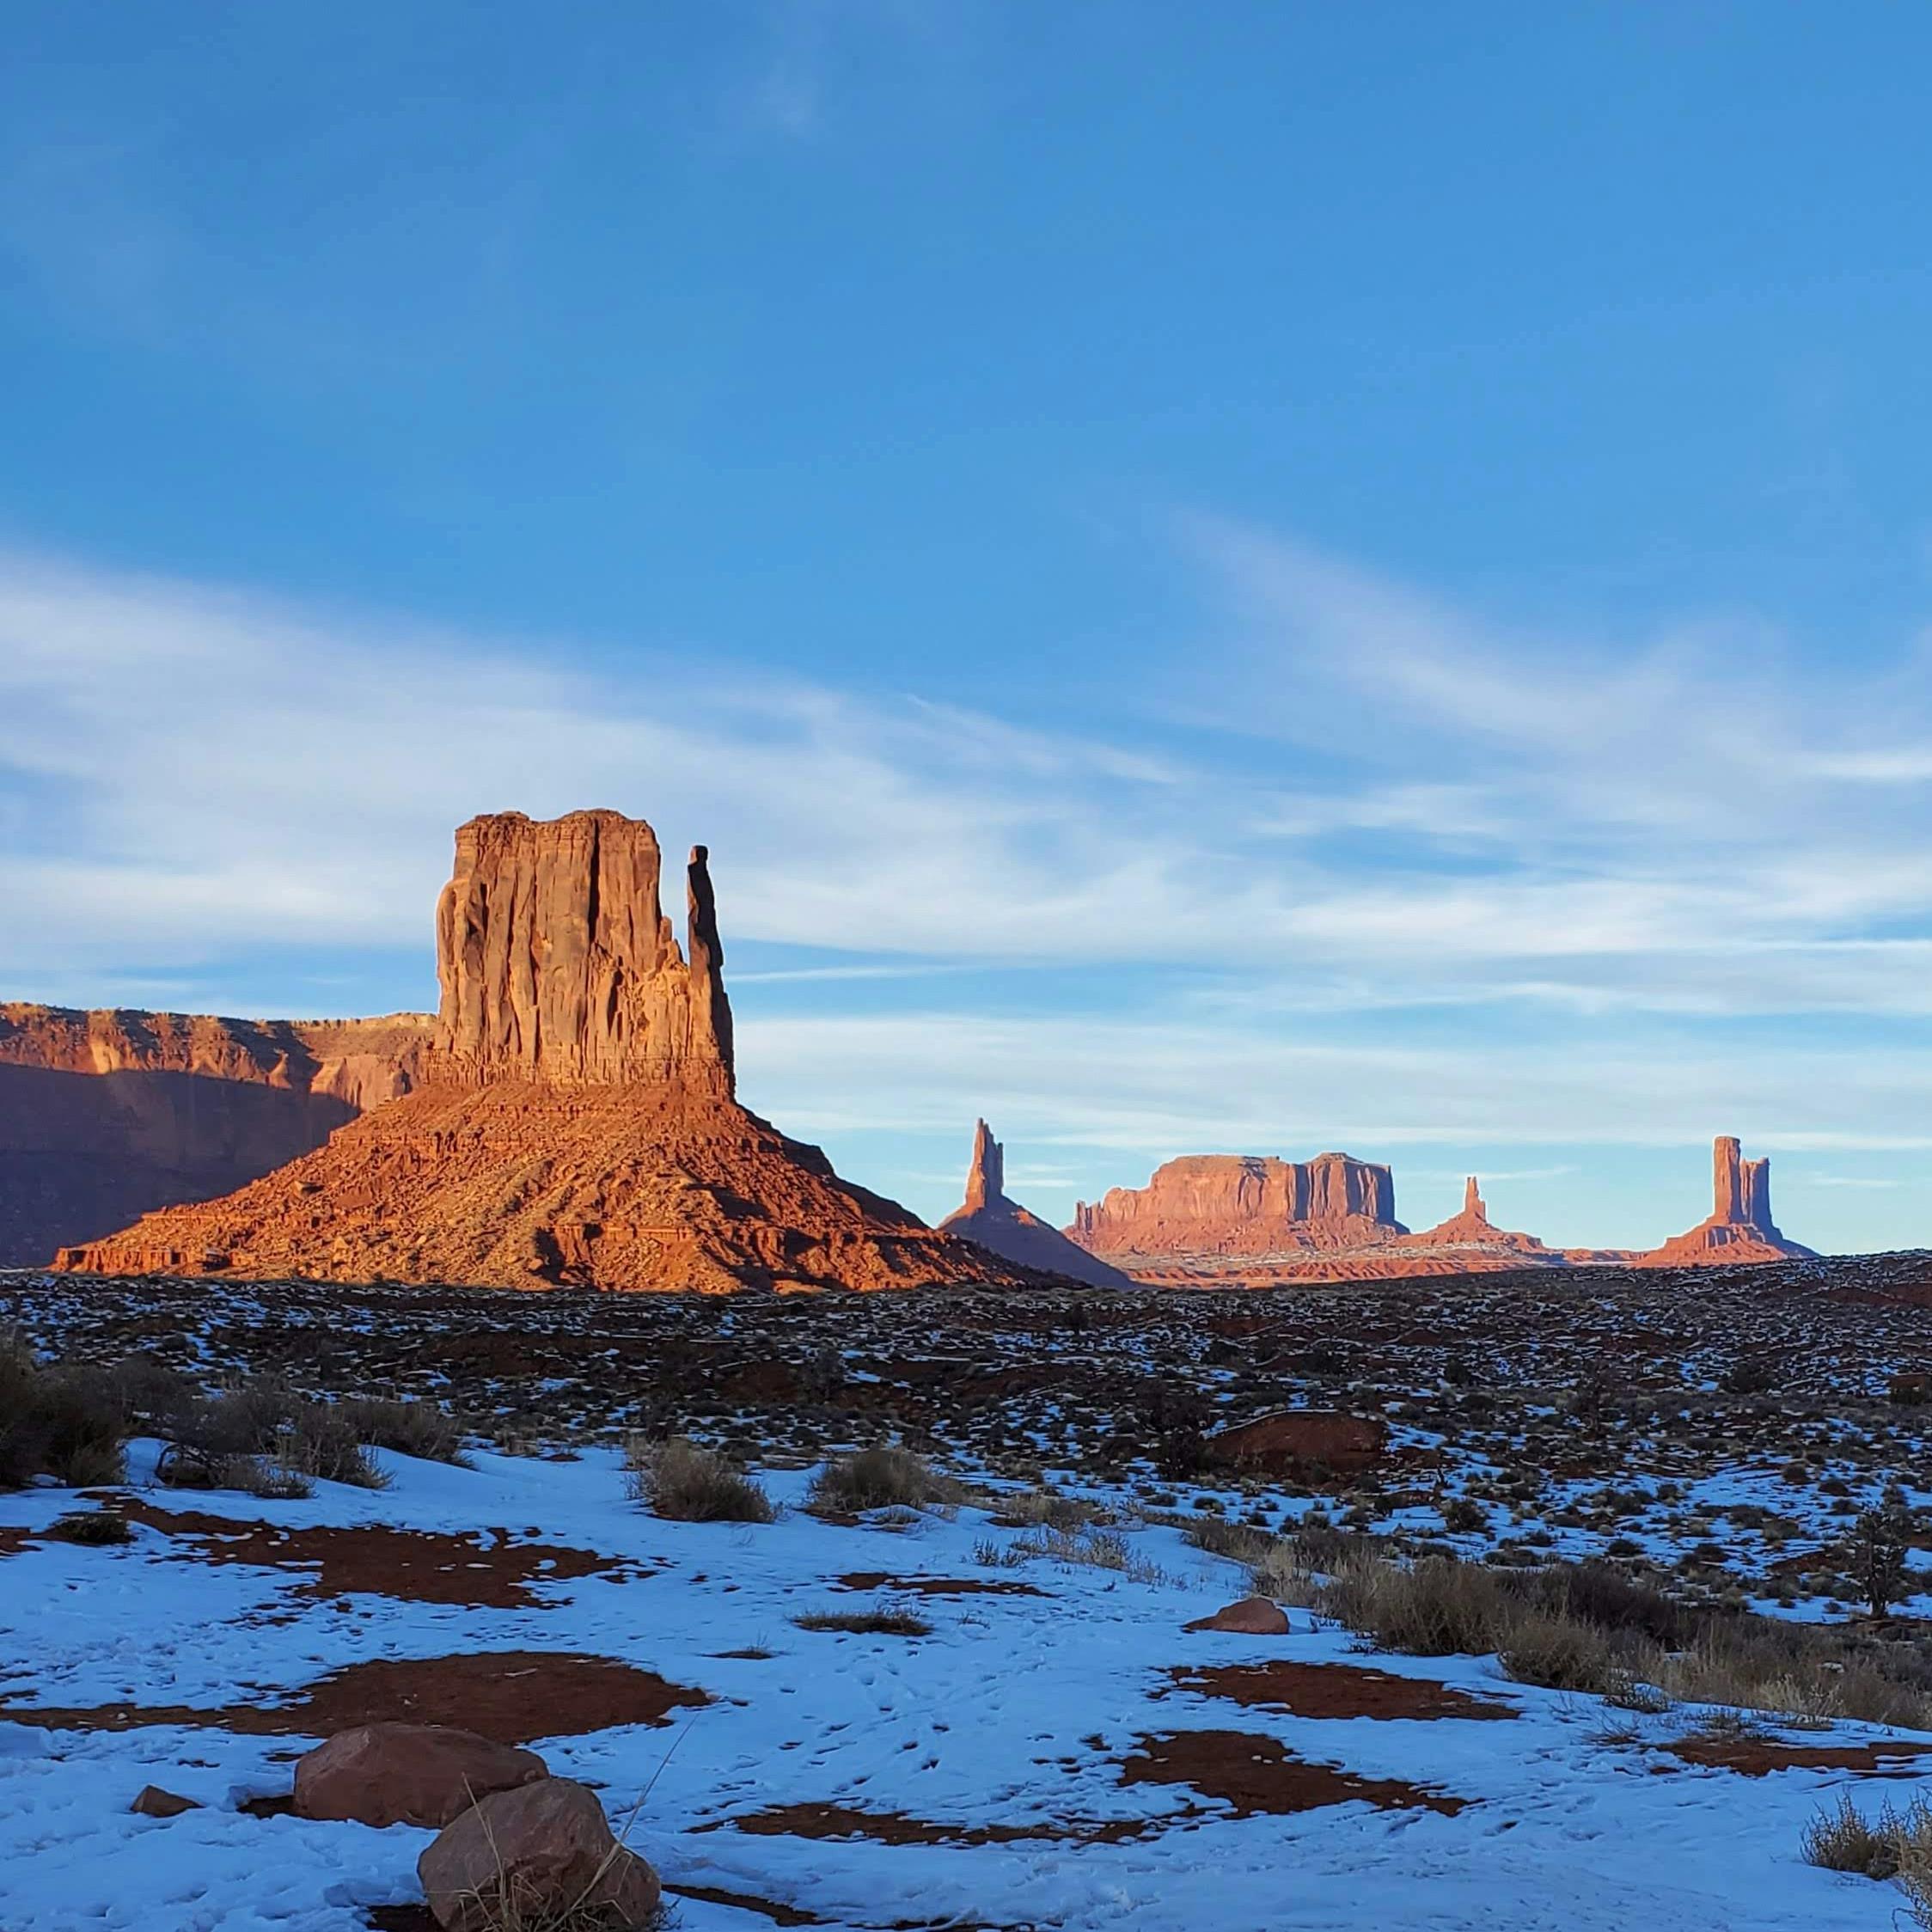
1091,1548
263,1422
1880,1539
688,1483
410,1428
881,1478
1600,1594
1434,1608
266,1477
866,1623
93,1527
1891,1844
67,1421
1028,1509
1559,1653
1462,1514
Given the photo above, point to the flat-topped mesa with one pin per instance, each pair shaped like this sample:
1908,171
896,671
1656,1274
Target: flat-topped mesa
556,964
1243,1204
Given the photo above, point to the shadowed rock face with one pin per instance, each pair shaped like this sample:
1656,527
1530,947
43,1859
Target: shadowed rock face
575,1125
105,1115
1008,1230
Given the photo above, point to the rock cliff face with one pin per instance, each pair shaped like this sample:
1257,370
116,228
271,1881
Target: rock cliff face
556,964
1007,1229
108,1114
1738,1227
575,1125
1228,1205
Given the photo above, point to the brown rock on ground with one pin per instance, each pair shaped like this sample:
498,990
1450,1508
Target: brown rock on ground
1253,1617
1294,1438
1006,1228
576,1126
151,1801
407,1774
542,1847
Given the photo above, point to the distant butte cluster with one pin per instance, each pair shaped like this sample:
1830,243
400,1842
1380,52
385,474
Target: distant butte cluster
569,1117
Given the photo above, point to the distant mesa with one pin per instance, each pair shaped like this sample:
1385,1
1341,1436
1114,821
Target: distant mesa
105,1115
1007,1229
570,1120
1241,1204
1738,1227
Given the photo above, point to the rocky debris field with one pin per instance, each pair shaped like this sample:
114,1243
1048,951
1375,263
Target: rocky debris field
1726,1425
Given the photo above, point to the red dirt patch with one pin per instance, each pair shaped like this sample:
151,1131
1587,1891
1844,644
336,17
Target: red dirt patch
1331,1690
12,1542
936,1585
413,1566
901,1828
1757,1756
511,1696
1255,1774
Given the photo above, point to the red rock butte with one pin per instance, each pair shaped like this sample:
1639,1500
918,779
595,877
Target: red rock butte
1014,1232
1738,1227
575,1121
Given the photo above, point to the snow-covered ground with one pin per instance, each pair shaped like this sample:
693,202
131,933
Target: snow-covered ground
1018,1712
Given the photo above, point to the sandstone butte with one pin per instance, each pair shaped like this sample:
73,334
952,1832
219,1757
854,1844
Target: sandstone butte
572,1119
1738,1227
1001,1225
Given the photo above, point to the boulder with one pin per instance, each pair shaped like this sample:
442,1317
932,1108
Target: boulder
407,1774
154,1802
543,1849
1253,1617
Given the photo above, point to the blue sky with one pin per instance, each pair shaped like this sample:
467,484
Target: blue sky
1261,577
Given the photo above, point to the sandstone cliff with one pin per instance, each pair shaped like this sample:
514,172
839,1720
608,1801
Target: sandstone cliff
1008,1229
575,1125
1738,1227
556,964
105,1115
1225,1206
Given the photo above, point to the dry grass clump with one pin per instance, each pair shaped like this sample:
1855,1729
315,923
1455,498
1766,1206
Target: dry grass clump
866,1623
94,1528
887,1477
688,1483
66,1420
1586,1627
1893,1844
1044,1508
1091,1549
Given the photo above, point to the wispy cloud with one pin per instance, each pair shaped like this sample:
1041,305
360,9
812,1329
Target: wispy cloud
1395,875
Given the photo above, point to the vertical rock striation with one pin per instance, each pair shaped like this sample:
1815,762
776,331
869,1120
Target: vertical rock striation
556,964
